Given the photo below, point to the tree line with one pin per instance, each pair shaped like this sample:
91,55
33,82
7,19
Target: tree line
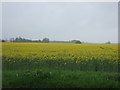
44,40
20,39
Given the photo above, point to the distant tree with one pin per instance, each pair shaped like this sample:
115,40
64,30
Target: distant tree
108,42
73,41
45,40
39,40
3,41
19,39
78,42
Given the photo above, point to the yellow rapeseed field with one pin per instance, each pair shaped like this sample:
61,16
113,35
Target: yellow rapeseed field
62,54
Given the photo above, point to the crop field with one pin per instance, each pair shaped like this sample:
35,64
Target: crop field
46,65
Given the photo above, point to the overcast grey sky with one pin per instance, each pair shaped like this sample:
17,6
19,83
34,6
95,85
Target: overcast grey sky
89,21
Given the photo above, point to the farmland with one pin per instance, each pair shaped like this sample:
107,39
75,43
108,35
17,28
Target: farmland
60,65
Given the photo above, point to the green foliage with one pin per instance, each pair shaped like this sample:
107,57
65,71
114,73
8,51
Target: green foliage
51,78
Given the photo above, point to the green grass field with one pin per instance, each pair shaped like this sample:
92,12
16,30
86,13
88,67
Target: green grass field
46,65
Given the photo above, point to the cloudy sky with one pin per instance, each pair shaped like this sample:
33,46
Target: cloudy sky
89,21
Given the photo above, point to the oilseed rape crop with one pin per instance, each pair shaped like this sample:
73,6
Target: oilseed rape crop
84,57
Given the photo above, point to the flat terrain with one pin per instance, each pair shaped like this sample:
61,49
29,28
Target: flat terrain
44,65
